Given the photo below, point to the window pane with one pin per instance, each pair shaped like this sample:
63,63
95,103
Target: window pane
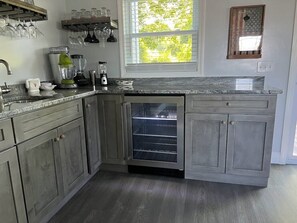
164,49
162,15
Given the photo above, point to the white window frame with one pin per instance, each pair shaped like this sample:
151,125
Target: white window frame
168,70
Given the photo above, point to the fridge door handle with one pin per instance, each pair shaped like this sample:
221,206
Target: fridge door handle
127,130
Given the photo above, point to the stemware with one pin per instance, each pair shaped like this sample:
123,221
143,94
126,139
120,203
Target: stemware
94,38
111,37
88,38
104,33
9,29
32,30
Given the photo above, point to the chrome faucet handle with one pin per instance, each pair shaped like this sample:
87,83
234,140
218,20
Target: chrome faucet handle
5,90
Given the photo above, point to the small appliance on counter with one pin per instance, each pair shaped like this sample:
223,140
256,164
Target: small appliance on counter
79,63
54,57
102,70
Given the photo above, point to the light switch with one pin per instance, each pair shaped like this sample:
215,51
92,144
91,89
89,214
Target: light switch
264,67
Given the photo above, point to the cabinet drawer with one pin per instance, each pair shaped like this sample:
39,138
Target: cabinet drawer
36,122
243,104
6,135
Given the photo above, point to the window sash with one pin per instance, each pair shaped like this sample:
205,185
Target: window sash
130,33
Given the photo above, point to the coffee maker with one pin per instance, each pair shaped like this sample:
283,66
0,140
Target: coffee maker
79,63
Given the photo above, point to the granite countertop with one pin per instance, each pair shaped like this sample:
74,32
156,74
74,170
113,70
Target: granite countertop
214,85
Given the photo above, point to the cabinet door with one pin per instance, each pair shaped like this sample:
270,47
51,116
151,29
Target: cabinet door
12,207
111,128
73,154
205,143
249,145
41,174
6,135
92,133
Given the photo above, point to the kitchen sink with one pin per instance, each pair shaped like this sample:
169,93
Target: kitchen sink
28,100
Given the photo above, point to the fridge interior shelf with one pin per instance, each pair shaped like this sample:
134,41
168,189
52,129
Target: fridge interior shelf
168,131
85,24
16,9
155,151
156,118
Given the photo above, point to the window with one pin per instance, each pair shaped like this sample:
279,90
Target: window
160,36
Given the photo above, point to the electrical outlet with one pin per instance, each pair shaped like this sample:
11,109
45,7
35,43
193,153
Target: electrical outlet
264,67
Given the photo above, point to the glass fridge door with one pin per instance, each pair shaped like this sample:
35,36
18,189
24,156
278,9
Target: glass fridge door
154,131
155,127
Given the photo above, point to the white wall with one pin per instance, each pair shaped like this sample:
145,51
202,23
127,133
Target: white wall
28,57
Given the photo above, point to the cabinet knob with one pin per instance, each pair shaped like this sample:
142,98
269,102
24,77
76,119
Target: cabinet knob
57,139
232,123
224,122
228,104
88,105
62,136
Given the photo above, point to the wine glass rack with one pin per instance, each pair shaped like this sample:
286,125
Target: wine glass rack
17,9
85,24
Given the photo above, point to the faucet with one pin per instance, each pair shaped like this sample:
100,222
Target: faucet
7,66
6,89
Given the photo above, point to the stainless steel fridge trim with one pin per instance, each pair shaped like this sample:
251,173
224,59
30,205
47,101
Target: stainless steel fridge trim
128,129
179,101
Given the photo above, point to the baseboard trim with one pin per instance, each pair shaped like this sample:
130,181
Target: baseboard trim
276,158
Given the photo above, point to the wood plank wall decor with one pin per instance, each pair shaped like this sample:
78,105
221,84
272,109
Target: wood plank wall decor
246,32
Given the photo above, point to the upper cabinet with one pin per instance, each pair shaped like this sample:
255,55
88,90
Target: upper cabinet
17,9
84,24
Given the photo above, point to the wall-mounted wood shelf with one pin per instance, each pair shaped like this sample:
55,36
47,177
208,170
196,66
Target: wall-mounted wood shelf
16,9
77,25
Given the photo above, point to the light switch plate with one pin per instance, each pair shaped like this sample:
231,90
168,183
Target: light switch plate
264,67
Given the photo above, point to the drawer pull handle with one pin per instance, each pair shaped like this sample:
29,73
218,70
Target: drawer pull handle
62,136
228,104
232,123
224,122
88,106
57,139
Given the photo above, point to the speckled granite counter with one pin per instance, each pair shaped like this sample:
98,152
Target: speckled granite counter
210,85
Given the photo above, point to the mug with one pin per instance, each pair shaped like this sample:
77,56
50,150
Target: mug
33,85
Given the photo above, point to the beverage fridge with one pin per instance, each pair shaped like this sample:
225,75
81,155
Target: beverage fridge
155,131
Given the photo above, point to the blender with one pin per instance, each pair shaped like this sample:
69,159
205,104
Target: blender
79,63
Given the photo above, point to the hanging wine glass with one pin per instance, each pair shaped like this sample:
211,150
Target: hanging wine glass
9,29
111,37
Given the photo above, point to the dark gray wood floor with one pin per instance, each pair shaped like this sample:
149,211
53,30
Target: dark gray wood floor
129,198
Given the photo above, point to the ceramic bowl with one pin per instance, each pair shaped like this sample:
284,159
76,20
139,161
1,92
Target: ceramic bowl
47,87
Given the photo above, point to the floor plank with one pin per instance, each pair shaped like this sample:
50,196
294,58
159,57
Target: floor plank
134,198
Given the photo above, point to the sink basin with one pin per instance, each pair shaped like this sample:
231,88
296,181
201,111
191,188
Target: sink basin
30,100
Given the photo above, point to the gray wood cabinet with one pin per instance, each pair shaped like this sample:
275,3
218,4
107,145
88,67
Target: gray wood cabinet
12,207
249,145
42,174
52,157
205,138
111,128
6,134
91,118
230,144
72,149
